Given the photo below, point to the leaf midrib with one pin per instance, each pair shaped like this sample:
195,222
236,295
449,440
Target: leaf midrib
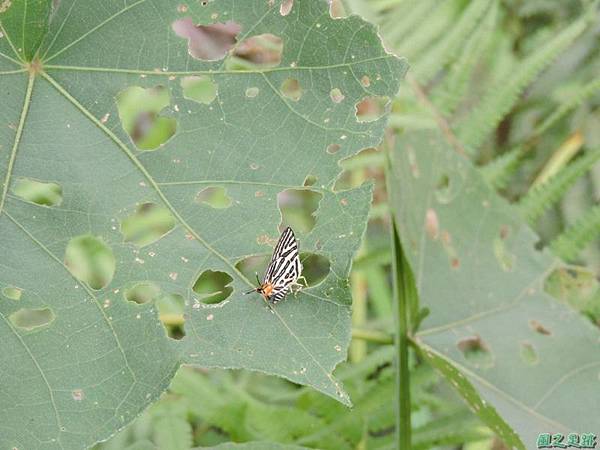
217,71
17,141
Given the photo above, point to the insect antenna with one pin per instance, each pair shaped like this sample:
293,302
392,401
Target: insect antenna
256,288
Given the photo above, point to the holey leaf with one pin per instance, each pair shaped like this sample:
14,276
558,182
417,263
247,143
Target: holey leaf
115,114
524,361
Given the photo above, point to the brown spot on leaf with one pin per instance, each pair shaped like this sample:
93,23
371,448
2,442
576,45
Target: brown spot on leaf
286,7
333,148
476,352
432,225
539,328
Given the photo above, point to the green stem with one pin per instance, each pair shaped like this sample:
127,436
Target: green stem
404,294
374,336
358,347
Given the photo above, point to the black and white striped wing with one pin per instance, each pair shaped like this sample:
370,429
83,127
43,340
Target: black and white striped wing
279,294
285,267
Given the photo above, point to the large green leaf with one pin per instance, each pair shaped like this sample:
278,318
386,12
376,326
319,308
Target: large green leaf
79,361
532,360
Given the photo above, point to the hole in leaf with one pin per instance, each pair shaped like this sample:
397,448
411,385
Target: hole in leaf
29,319
148,224
333,148
310,180
443,183
528,354
171,312
315,267
358,168
38,192
298,207
504,257
170,307
213,286
252,92
365,81
90,260
539,328
139,110
577,286
336,95
371,108
12,292
142,293
215,197
207,42
446,188
201,89
253,265
257,52
291,89
286,7
476,352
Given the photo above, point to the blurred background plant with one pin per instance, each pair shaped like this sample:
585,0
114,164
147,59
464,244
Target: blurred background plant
517,81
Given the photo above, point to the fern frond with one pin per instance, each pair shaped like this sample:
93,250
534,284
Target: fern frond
412,121
500,99
287,424
170,426
446,49
459,428
439,20
587,91
543,196
404,18
499,171
454,87
569,244
382,355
